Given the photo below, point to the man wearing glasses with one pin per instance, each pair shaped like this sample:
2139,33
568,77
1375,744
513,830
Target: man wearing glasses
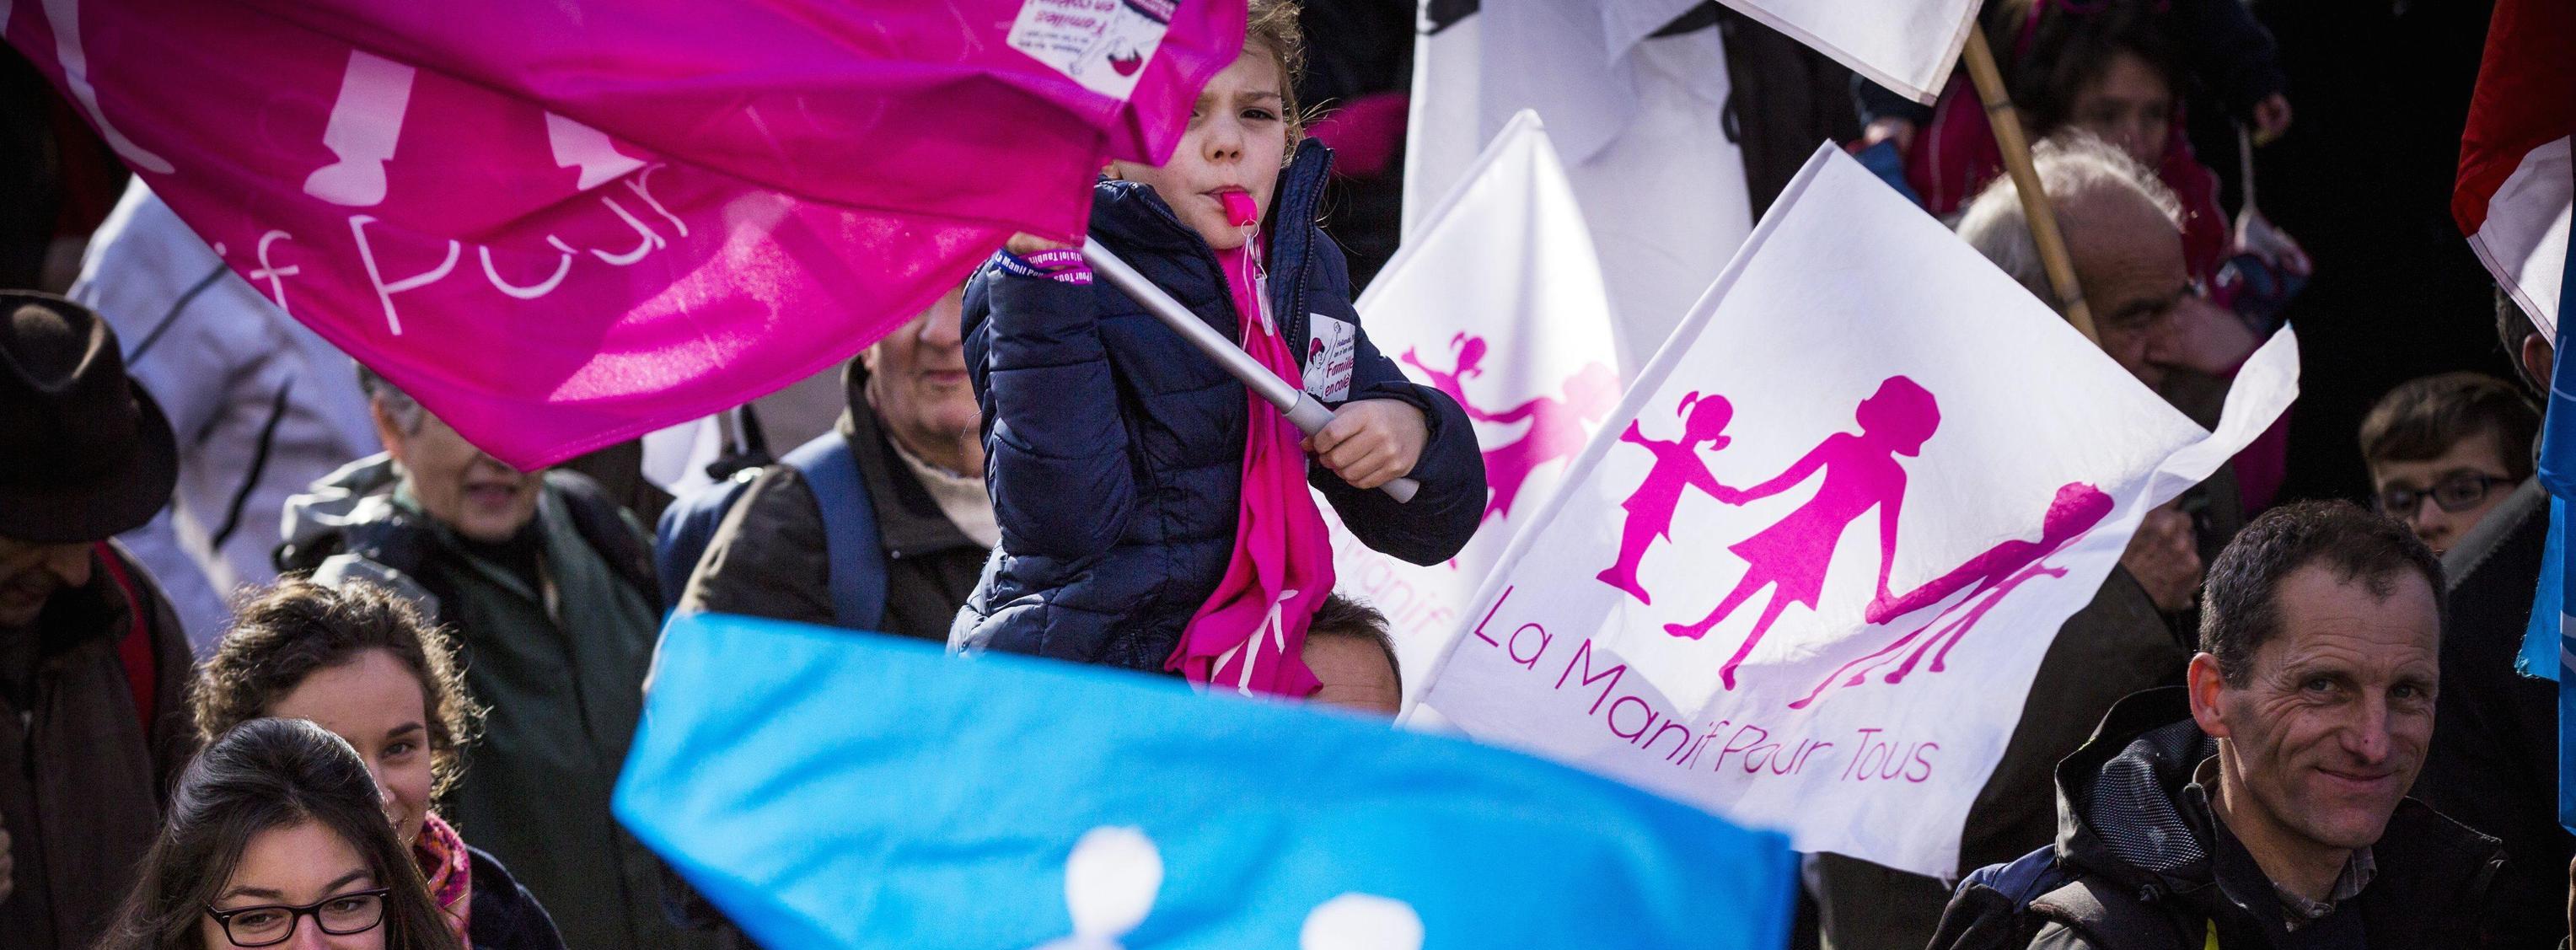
2445,450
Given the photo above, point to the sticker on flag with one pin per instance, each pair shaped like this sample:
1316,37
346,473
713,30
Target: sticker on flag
560,226
1497,301
1806,571
830,789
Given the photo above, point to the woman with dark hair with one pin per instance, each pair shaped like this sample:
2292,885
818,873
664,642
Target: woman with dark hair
359,661
274,832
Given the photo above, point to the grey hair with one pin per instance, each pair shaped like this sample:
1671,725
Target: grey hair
2072,163
406,411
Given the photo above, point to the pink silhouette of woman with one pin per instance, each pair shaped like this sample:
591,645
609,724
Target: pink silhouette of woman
1988,578
1677,467
1555,432
1861,473
1470,360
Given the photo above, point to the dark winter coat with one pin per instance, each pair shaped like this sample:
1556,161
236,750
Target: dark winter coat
501,915
84,772
2494,760
2154,869
1114,451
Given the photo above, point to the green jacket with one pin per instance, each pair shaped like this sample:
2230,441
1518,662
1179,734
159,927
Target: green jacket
558,664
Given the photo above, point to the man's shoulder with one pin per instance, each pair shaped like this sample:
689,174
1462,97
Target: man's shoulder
2504,548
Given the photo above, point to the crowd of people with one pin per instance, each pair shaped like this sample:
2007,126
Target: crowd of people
292,662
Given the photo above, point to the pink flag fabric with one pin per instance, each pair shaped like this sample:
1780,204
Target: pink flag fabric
1250,636
562,225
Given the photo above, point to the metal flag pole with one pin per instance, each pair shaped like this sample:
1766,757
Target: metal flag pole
1302,410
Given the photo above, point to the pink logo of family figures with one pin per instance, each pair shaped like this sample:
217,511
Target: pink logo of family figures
1988,578
1790,557
1556,425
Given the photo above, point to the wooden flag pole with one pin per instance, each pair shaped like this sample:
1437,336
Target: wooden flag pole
1980,60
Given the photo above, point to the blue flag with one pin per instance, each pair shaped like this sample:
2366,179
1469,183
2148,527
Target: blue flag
2547,647
830,789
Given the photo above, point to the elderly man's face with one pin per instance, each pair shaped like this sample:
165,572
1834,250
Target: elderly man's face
30,573
473,494
2329,729
917,379
2128,258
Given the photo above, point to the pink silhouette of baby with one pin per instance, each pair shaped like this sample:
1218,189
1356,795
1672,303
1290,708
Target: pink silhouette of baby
1556,431
1988,578
1860,473
1469,362
1677,467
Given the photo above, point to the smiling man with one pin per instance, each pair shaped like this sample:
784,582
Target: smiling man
548,588
2265,803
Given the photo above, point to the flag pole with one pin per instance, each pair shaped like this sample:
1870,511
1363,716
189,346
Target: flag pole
1980,60
1307,414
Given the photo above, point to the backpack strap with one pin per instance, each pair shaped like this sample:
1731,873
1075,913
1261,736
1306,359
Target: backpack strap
686,528
134,651
854,551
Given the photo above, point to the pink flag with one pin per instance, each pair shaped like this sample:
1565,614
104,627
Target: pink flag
563,225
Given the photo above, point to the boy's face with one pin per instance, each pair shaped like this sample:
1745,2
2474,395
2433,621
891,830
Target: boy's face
1238,138
2473,469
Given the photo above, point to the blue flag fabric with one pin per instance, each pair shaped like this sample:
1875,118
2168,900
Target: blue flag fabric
2548,648
830,789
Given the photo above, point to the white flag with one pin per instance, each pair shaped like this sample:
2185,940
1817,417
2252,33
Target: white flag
1495,301
1906,45
1806,571
1638,121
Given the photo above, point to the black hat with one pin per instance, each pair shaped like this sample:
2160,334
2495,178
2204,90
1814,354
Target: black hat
84,452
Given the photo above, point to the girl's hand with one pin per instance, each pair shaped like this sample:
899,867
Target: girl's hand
1371,442
1024,244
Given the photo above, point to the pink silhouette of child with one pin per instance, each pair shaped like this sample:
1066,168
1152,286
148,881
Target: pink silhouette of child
1555,432
1470,360
1860,473
1677,467
1988,578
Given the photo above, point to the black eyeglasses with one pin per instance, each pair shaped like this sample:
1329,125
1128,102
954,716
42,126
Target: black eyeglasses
2455,494
270,924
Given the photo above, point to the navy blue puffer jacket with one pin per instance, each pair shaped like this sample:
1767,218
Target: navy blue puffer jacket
1114,451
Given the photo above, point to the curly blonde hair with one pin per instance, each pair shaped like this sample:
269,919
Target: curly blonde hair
286,632
1272,25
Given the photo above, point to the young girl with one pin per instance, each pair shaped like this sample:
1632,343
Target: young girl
274,838
358,661
1154,513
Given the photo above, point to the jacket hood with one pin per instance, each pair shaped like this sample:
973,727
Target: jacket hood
356,493
2122,808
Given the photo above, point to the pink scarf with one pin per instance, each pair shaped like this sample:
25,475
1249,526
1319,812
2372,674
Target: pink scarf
443,864
1249,633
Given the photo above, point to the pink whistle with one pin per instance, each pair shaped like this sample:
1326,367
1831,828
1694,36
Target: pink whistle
1240,209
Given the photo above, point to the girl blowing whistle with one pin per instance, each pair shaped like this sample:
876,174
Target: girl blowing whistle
1155,513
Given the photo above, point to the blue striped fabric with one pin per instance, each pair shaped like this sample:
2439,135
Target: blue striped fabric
2548,649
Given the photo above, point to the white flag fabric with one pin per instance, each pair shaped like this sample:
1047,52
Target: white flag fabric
1806,571
1906,45
1495,301
1637,121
